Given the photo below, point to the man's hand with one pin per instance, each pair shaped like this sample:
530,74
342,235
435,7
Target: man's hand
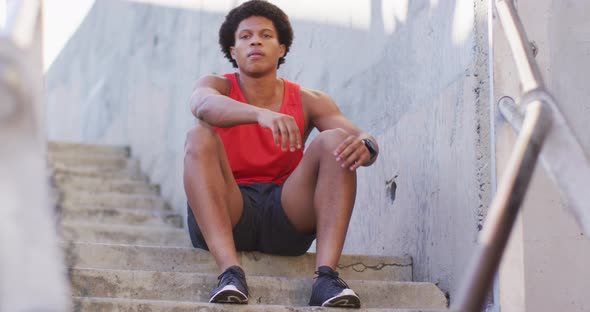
284,129
352,153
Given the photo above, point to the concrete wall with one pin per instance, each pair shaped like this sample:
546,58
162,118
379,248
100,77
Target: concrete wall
412,73
545,268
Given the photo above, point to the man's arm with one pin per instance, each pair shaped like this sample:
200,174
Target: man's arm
324,115
210,102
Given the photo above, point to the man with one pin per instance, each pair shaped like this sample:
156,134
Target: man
248,183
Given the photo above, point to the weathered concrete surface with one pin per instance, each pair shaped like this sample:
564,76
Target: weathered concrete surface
131,305
103,163
125,186
415,77
178,259
133,216
89,150
114,200
92,232
265,290
60,170
117,259
545,268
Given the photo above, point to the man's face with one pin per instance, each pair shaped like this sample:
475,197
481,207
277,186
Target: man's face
257,49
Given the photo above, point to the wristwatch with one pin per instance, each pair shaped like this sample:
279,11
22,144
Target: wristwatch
371,147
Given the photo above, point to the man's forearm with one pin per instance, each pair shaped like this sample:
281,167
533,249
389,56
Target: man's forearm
221,111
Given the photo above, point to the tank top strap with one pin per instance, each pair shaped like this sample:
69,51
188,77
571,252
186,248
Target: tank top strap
235,92
292,93
293,105
291,100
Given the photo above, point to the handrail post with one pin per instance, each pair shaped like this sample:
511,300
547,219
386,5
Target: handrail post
528,71
544,126
504,210
32,272
521,165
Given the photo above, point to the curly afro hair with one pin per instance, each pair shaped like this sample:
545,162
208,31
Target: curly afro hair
227,31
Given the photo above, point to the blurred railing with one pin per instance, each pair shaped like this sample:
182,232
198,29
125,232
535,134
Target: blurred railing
31,268
542,130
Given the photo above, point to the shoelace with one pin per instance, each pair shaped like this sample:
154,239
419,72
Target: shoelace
333,275
230,275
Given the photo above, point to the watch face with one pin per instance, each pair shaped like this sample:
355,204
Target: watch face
370,147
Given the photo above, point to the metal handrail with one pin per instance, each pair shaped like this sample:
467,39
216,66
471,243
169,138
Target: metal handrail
540,124
528,71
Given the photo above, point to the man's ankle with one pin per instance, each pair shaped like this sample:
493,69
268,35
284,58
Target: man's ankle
229,265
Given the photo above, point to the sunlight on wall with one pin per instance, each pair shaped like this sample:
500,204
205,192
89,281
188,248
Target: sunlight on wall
353,13
393,12
61,18
462,21
59,27
220,6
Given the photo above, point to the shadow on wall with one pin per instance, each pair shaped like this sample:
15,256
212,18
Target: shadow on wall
126,74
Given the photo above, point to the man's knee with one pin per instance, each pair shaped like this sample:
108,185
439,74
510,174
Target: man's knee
330,139
200,139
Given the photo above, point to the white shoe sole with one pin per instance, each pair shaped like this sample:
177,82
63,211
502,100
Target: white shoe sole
229,294
346,299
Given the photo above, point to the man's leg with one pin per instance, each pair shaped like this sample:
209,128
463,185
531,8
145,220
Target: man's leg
212,192
319,195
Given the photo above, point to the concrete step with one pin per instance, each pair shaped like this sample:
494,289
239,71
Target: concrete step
128,305
88,149
130,216
263,289
132,171
114,200
179,259
100,162
69,183
124,234
81,171
126,251
97,185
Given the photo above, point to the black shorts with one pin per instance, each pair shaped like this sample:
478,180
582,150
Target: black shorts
263,226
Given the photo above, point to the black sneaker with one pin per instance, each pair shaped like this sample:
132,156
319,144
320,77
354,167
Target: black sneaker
232,287
331,291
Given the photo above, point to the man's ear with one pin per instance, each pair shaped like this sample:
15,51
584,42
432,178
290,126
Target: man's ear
232,52
283,48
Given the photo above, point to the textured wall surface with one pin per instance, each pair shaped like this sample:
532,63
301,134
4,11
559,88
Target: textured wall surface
413,74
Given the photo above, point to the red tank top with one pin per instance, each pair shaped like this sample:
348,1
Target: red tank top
251,151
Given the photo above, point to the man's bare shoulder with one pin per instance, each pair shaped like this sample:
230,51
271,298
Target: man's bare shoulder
322,110
218,83
315,98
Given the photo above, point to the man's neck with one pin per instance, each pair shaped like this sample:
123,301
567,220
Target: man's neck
261,91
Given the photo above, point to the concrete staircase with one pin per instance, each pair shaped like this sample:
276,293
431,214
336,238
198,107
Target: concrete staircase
127,250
